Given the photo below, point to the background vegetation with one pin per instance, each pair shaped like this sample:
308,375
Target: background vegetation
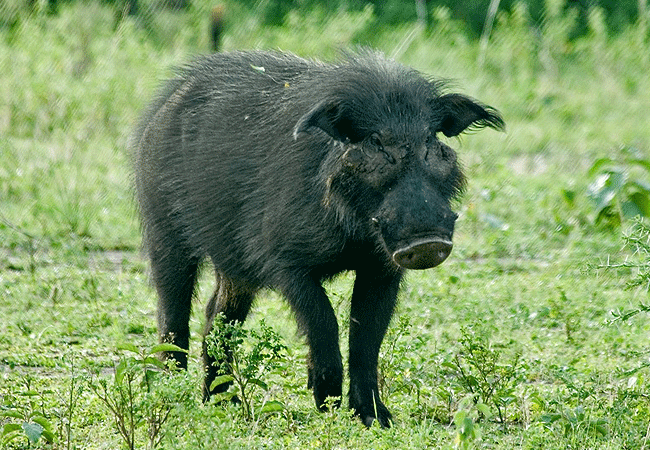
534,334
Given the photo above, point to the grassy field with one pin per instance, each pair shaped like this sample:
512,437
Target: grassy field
519,340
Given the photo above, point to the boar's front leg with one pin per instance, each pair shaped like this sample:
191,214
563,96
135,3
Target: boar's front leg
316,319
373,301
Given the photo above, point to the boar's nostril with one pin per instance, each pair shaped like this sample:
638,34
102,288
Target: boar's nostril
423,253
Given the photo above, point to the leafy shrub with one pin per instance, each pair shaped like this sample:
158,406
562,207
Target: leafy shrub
482,374
400,368
26,417
135,398
244,366
637,239
621,188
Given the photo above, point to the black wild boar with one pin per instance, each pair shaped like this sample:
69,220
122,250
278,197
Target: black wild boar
286,172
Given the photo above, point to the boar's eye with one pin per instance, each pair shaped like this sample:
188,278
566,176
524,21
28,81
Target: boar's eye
375,141
431,147
436,149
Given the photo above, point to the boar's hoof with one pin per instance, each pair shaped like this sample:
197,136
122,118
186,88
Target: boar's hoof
423,253
329,384
385,418
368,413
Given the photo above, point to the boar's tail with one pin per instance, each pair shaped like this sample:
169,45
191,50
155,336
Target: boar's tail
169,90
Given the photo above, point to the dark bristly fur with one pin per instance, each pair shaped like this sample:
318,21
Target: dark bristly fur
285,172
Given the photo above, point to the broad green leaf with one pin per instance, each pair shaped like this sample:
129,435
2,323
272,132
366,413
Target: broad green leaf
128,347
149,377
466,427
607,214
11,435
258,382
484,409
471,380
222,379
631,209
219,414
601,427
642,185
645,163
14,414
33,431
48,436
120,370
42,421
600,162
642,202
550,418
153,361
272,406
10,427
603,190
224,396
459,417
617,178
579,412
166,348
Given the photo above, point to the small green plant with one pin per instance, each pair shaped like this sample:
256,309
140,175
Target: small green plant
621,188
399,367
243,366
468,431
637,239
68,404
574,420
134,398
482,374
26,415
624,316
331,426
571,411
560,312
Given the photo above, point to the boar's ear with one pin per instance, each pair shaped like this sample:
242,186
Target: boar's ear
328,117
458,113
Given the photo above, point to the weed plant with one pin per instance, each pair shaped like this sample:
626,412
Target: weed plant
242,367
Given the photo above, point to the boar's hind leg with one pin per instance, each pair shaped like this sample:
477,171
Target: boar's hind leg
234,301
174,275
373,301
316,319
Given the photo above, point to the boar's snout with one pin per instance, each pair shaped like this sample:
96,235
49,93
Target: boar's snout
423,253
416,235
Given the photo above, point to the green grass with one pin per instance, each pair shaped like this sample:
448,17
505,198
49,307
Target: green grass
523,289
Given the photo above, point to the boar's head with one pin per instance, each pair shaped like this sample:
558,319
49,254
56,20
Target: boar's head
387,167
